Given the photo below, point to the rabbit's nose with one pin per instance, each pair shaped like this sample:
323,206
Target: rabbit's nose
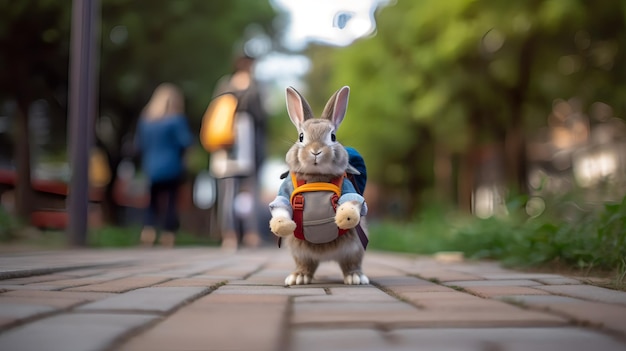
316,153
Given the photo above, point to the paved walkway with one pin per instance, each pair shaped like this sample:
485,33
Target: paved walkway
204,299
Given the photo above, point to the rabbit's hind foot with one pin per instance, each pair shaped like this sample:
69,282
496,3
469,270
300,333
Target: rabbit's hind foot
296,278
356,278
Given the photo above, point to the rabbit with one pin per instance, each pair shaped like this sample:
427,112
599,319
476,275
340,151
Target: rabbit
317,156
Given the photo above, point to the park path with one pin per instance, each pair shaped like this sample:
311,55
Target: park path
205,299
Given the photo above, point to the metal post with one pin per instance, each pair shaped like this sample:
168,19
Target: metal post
82,108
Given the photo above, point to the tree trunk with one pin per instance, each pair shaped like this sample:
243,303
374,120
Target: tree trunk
416,182
515,141
23,188
109,208
465,181
515,158
442,171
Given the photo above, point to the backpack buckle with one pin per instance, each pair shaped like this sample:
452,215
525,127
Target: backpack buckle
298,202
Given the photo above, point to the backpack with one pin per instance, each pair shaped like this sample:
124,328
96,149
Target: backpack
315,222
359,180
356,161
218,123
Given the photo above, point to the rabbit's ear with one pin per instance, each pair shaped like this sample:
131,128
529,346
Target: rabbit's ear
297,107
337,106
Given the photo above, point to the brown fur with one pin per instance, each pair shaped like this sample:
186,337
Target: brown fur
307,255
330,161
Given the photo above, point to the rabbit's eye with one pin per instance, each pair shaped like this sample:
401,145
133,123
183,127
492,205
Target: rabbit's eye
301,137
333,137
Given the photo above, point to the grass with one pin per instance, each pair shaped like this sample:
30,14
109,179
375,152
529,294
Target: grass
112,236
8,226
595,242
16,236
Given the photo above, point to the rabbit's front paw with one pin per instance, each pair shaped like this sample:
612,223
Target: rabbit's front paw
297,278
356,278
348,215
282,226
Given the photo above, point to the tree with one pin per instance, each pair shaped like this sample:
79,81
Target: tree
35,42
191,43
441,79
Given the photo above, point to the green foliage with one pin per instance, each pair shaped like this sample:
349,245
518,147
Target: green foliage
111,236
104,237
196,159
460,74
142,43
430,232
190,43
596,240
8,225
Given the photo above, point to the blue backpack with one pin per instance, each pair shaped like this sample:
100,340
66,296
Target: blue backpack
356,160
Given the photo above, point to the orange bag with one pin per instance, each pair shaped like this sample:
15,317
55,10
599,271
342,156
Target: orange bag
218,123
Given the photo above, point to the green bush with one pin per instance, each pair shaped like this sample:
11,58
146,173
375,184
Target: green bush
596,239
112,236
104,237
8,226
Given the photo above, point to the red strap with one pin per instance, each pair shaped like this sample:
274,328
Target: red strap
298,213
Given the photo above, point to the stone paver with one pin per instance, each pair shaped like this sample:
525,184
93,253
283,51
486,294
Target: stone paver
608,316
121,285
152,299
514,275
589,292
267,290
72,332
511,339
559,281
445,275
206,299
462,339
200,282
36,279
491,291
13,312
495,282
219,322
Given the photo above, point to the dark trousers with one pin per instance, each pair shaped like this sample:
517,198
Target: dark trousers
163,205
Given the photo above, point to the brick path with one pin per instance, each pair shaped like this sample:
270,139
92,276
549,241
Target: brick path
204,299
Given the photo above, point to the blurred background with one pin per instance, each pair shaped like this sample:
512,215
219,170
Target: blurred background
488,127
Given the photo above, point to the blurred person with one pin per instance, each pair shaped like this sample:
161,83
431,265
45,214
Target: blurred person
237,169
163,136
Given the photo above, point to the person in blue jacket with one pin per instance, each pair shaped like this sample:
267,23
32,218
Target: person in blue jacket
163,135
